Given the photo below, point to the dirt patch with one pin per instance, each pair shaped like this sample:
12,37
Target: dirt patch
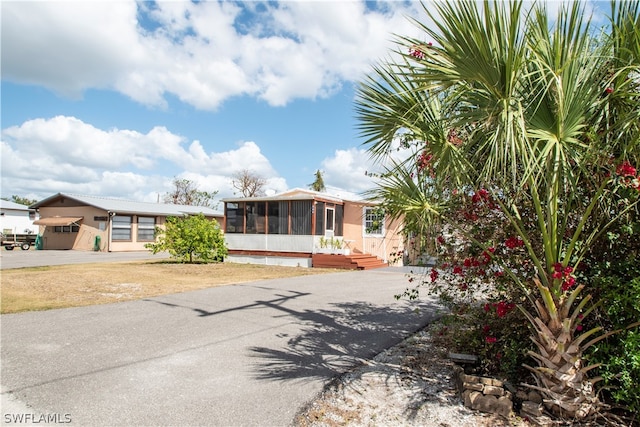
42,288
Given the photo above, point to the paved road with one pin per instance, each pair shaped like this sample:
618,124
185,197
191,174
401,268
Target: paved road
32,258
251,354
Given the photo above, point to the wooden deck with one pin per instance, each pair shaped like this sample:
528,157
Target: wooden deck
347,262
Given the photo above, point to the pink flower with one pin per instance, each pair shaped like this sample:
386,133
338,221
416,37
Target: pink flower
558,267
457,270
491,340
557,275
434,274
579,328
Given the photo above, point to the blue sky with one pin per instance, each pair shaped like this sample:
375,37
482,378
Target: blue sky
116,99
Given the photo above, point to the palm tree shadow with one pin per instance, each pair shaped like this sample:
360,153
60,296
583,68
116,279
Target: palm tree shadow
337,340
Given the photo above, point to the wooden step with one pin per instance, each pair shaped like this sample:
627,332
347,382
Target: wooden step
347,262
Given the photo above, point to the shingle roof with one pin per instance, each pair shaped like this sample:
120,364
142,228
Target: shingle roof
131,207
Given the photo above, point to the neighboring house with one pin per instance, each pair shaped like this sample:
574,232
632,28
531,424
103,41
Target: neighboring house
16,218
298,226
69,221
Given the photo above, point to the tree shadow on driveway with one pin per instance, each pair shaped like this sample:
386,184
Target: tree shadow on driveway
336,340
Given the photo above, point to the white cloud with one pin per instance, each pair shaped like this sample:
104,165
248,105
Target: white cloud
203,53
63,154
347,169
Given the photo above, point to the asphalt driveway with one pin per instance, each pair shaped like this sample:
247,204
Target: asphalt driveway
33,258
251,354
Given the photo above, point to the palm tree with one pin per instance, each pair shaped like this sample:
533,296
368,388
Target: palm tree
538,117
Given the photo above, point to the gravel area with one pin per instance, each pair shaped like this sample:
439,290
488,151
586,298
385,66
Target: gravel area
411,384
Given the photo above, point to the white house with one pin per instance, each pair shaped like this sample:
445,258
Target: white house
16,218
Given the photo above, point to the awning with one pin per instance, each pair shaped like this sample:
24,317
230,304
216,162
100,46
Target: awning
58,220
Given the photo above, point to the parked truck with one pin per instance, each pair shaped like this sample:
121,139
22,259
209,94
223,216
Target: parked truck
22,241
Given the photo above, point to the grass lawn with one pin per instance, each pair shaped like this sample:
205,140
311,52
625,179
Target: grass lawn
44,288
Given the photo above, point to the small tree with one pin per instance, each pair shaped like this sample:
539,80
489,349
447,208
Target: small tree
186,192
248,183
21,200
318,184
190,237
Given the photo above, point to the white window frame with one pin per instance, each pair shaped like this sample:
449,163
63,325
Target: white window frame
146,226
367,220
121,225
330,227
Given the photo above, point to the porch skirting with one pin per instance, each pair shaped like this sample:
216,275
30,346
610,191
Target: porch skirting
286,259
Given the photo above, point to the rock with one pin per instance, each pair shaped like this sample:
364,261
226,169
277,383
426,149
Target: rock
531,408
534,396
473,386
542,421
491,381
471,398
493,390
463,358
504,407
486,404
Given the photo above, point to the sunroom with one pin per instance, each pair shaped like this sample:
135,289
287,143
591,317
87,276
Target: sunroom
288,226
303,228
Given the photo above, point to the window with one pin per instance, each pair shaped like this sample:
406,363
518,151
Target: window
301,211
331,219
66,228
278,217
235,218
121,227
373,221
256,216
146,228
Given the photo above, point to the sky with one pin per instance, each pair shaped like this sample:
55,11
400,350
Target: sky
119,98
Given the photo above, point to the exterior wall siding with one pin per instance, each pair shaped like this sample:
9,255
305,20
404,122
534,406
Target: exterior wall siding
83,239
384,247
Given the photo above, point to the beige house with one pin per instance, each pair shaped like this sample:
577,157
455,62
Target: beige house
308,228
89,223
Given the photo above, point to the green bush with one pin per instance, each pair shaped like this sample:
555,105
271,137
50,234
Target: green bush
618,286
191,238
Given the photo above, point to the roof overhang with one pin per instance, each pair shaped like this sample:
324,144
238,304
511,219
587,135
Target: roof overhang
58,220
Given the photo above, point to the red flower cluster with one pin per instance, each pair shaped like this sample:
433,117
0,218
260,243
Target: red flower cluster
625,169
502,308
481,196
564,274
434,274
416,53
513,242
628,174
424,161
